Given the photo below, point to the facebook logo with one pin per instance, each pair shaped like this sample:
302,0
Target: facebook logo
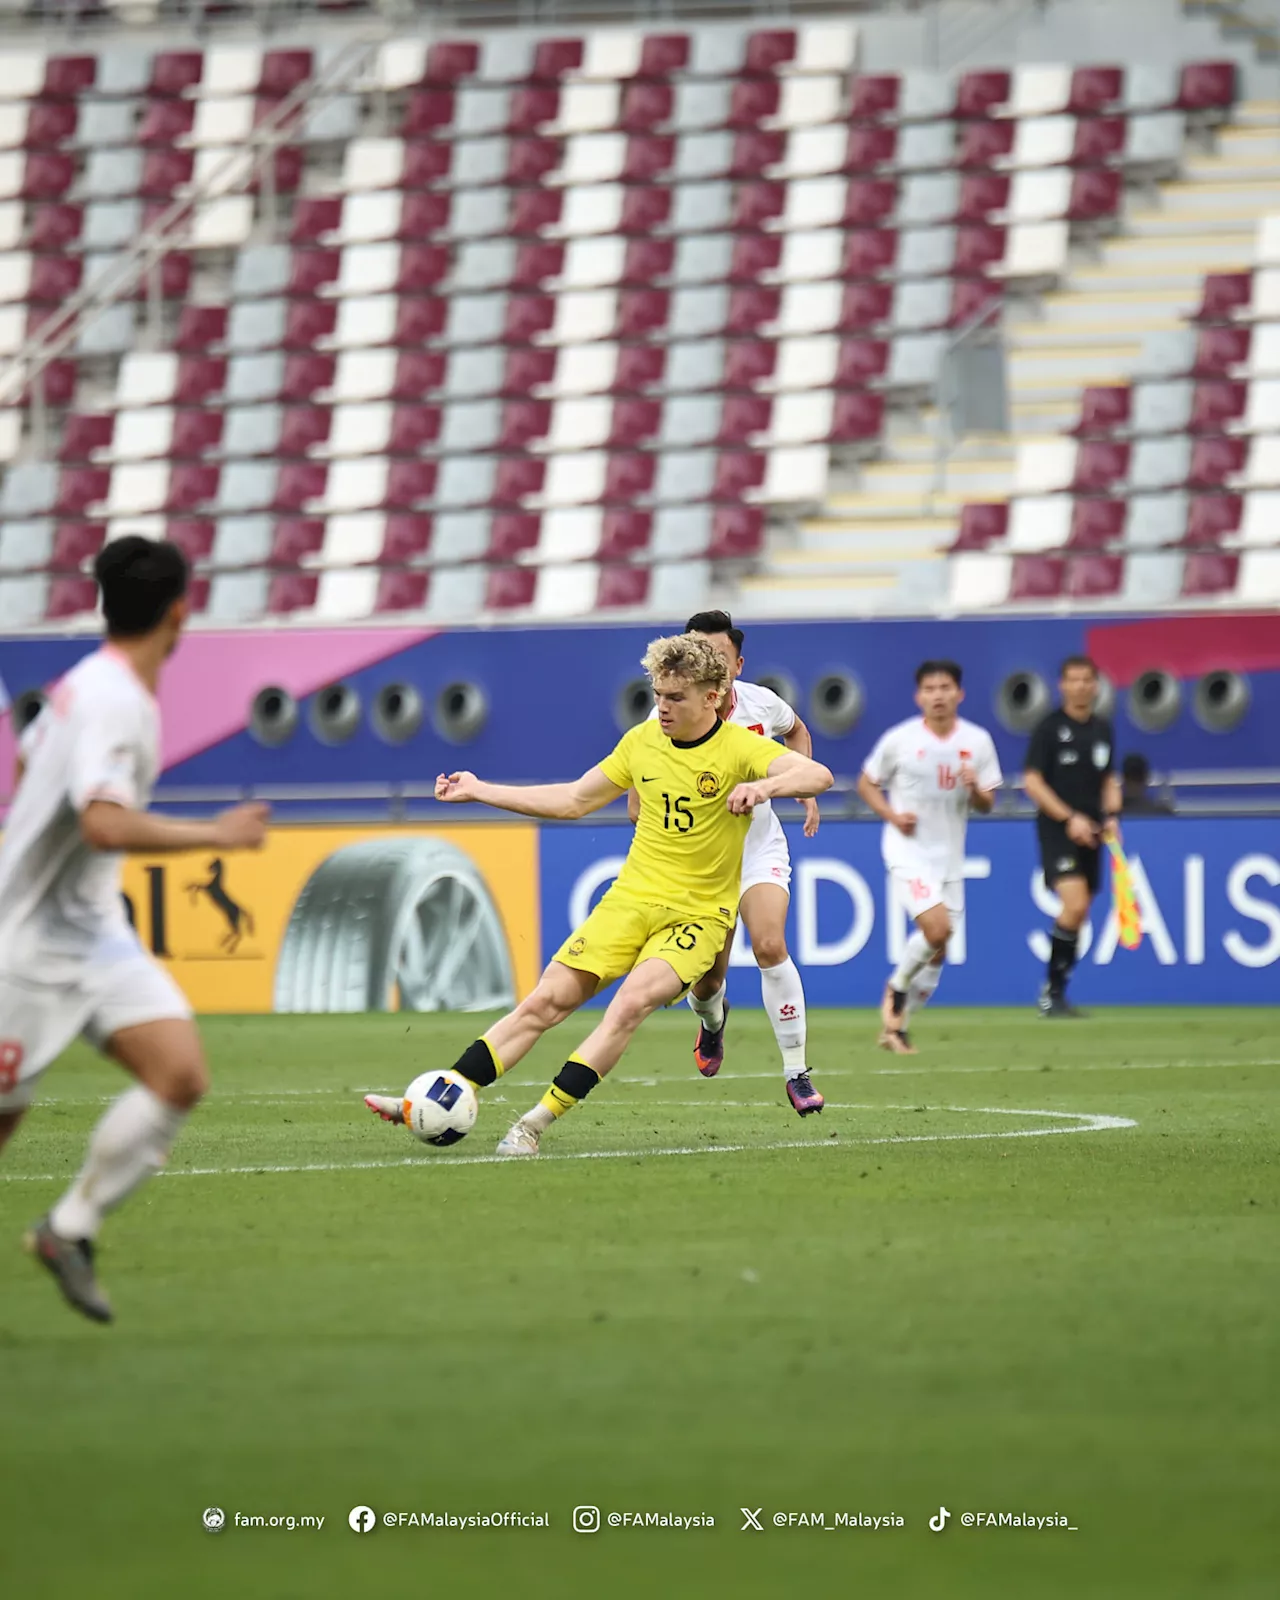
363,1519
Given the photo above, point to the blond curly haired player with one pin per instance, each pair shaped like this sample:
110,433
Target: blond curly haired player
675,901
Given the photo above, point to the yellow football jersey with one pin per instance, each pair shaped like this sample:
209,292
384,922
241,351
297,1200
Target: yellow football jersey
687,849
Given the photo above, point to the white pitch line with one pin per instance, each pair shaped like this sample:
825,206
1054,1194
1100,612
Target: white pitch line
1080,1122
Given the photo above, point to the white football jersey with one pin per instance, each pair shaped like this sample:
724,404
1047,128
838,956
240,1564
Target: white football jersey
753,706
922,774
60,905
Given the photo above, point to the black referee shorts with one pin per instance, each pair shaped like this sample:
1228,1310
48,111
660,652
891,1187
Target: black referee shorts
1062,857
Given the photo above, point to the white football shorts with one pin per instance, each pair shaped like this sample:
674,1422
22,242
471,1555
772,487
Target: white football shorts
920,886
767,860
38,1020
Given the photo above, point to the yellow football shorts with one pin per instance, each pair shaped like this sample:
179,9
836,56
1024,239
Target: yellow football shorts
621,933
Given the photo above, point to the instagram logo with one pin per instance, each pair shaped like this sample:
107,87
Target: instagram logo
586,1519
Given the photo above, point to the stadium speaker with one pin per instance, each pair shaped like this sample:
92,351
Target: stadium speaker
27,707
783,685
335,713
1105,705
461,711
836,703
273,716
397,712
1221,700
634,703
1021,700
1154,700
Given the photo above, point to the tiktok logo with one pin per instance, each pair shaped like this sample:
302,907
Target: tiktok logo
939,1522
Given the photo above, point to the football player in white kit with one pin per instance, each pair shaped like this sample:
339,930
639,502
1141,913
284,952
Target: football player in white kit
69,961
766,885
937,768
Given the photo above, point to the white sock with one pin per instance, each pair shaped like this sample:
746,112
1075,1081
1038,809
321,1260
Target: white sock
783,993
917,953
709,1011
131,1142
921,990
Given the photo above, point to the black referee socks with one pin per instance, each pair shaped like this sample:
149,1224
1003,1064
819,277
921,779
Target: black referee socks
1063,943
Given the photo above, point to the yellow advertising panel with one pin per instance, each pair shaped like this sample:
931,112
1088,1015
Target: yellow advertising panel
370,918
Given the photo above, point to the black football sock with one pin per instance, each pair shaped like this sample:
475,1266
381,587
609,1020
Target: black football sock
479,1062
1063,943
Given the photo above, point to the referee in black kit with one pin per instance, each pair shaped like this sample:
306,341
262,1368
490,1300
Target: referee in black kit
1070,779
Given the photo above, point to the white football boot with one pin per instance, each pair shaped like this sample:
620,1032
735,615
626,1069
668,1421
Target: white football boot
390,1107
519,1140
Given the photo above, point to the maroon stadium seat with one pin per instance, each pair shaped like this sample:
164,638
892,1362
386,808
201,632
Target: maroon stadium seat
1209,572
527,316
1207,86
312,269
755,254
305,375
623,532
531,106
82,435
197,430
283,71
648,259
756,149
1212,518
736,472
978,246
1104,409
874,96
164,171
50,123
1096,523
303,426
555,58
743,416
1095,193
753,307
420,318
314,217
418,373
640,366
1218,350
1224,293
294,539
970,297
1217,402
752,100
531,160
1101,464
1214,459
644,207
424,213
748,362
70,596
628,476
1093,576
737,533
642,312
523,421
857,416
165,122
75,544
54,227
506,588
413,427
511,533
401,591
537,261
192,484
865,305
1098,140
299,482
428,111
982,143
199,328
54,278
869,252
869,202
646,107
173,72
48,176
635,422
528,369
622,585
291,591
981,525
307,321
980,92
861,361
426,161
409,483
981,193
194,536
69,76
648,157
1095,88
80,487
199,379
1037,577
450,60
533,211
663,53
768,49
406,536
422,266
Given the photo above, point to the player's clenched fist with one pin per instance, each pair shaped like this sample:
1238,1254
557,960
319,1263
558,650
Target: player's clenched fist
746,797
456,786
243,827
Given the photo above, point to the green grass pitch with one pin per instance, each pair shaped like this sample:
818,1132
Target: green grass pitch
1033,1270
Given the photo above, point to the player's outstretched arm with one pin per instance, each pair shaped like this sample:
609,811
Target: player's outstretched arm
107,825
800,739
790,777
556,801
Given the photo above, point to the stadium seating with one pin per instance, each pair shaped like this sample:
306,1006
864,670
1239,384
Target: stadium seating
550,325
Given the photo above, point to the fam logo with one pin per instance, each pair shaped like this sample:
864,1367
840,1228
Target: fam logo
708,785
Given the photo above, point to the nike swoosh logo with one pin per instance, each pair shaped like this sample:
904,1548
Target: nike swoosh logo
648,780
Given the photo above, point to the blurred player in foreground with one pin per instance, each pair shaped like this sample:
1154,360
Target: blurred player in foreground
673,906
937,768
69,961
766,883
1070,779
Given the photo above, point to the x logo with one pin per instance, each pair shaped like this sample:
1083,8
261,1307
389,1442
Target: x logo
753,1519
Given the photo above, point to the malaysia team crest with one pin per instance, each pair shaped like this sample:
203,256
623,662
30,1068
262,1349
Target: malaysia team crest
578,946
708,785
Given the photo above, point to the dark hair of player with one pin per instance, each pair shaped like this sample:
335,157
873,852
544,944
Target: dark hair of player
715,622
140,579
928,669
1078,661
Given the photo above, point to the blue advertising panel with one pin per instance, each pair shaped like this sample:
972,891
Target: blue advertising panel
1209,893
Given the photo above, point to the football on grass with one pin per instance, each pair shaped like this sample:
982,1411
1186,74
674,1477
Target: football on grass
440,1107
